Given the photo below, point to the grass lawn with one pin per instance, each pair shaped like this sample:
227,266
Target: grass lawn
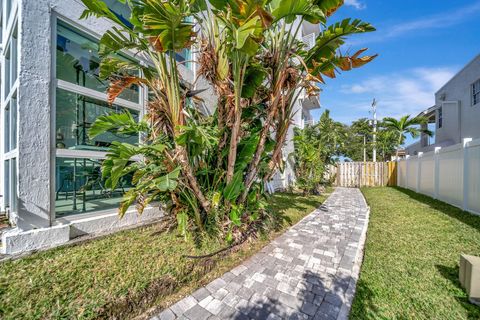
410,268
124,274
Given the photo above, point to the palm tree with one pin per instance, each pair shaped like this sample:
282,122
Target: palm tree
406,125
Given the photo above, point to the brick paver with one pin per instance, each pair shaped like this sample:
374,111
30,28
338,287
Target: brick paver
309,272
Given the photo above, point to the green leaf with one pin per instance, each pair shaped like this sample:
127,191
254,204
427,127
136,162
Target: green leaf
235,216
169,181
165,24
290,9
216,199
251,28
247,148
332,38
182,221
119,123
234,188
128,199
254,77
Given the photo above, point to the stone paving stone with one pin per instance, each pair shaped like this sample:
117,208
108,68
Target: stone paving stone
201,294
306,273
166,314
197,313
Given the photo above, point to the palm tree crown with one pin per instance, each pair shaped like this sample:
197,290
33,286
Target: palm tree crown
407,125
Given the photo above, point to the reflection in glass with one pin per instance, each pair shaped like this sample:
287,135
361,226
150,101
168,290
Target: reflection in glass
13,123
78,62
6,128
74,116
6,183
80,187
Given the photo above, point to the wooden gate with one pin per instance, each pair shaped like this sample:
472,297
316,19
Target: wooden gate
366,174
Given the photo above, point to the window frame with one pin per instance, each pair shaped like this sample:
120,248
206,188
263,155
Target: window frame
77,89
475,95
9,95
440,118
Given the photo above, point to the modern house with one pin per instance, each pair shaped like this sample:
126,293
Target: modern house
51,188
456,112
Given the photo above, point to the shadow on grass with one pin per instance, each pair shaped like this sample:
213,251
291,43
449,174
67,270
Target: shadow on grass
363,306
281,203
451,274
313,301
445,208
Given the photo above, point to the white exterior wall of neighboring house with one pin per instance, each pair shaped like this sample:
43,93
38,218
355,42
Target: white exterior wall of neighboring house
455,115
36,159
301,116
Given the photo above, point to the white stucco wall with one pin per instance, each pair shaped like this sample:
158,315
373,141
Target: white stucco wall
461,123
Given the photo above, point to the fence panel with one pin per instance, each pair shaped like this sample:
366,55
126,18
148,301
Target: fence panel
402,173
473,185
362,174
412,171
451,174
427,174
450,180
392,168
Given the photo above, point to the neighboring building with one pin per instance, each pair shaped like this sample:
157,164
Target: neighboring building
50,95
456,112
302,117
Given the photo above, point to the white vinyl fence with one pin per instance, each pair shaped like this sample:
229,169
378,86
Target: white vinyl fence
450,174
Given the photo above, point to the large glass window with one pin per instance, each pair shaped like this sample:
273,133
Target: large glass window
80,187
10,114
10,184
10,125
75,115
78,62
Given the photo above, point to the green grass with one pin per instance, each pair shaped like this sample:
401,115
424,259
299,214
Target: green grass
124,274
410,268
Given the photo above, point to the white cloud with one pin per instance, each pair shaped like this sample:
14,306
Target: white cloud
408,92
356,4
436,21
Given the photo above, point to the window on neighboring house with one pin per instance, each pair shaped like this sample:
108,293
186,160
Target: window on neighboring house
476,92
440,117
80,99
10,116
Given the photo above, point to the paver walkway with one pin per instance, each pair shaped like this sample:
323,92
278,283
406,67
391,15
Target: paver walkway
309,272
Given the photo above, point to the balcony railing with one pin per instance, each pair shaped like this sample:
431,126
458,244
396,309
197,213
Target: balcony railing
309,41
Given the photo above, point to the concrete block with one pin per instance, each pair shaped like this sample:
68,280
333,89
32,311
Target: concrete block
111,221
470,275
17,241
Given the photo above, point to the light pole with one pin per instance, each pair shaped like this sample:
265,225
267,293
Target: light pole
374,107
364,148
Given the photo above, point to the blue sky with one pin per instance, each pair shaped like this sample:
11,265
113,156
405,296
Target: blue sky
421,45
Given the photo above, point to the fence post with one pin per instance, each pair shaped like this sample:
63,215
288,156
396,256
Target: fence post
419,169
407,157
436,172
466,142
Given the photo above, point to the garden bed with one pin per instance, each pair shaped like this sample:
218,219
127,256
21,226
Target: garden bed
124,274
410,267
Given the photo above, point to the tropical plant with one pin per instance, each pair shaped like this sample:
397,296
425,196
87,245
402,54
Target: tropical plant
211,170
315,148
406,125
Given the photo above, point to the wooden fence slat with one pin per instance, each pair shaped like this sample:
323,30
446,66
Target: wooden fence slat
366,174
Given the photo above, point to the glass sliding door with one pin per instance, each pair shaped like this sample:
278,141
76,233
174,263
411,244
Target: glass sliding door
80,187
